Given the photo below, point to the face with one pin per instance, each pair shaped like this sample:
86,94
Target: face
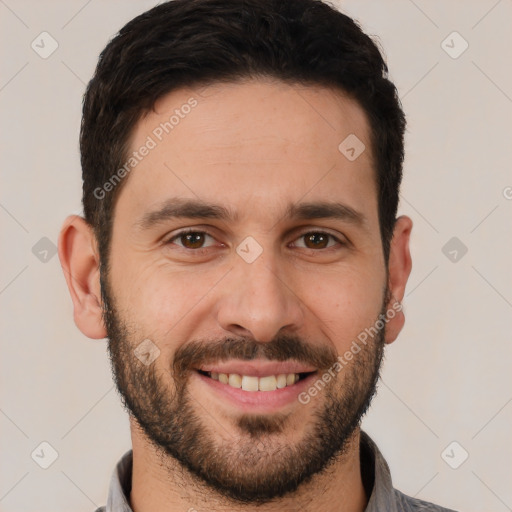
246,248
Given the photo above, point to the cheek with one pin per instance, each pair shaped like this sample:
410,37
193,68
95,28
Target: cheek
165,303
346,303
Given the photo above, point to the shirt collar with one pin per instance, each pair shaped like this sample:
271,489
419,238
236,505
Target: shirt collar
121,485
382,494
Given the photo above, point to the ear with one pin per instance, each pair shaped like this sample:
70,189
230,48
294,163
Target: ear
79,259
399,268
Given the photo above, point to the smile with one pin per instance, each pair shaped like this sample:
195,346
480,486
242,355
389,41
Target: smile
253,383
256,386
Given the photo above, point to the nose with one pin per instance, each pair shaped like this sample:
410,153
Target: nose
258,301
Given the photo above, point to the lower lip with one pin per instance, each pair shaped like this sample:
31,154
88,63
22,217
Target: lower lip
258,401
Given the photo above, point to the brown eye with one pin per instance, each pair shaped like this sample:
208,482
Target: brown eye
318,240
190,239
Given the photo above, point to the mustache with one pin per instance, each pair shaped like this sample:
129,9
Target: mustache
282,348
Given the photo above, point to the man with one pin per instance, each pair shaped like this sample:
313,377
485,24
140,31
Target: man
240,250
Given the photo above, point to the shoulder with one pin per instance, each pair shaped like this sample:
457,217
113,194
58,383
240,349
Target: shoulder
407,504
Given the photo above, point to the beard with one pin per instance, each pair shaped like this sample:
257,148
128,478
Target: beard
260,463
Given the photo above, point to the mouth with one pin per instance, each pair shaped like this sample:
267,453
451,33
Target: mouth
257,387
253,383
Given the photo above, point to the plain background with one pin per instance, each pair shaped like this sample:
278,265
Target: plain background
447,378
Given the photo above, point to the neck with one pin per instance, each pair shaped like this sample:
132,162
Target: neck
166,486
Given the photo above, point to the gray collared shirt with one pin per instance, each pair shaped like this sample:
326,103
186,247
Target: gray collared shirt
375,472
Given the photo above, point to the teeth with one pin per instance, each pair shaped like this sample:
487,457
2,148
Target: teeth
268,383
290,379
250,383
235,380
281,380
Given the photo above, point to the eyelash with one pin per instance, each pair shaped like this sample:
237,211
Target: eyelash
202,250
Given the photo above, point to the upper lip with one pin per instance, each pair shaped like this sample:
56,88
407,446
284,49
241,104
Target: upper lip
257,368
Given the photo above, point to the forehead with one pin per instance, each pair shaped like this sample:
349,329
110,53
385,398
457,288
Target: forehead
255,146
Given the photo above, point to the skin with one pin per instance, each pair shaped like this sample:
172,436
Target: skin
253,147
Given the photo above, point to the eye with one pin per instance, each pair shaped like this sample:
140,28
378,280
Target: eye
318,240
194,240
190,239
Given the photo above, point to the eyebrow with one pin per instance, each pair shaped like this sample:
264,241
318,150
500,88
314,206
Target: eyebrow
181,208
